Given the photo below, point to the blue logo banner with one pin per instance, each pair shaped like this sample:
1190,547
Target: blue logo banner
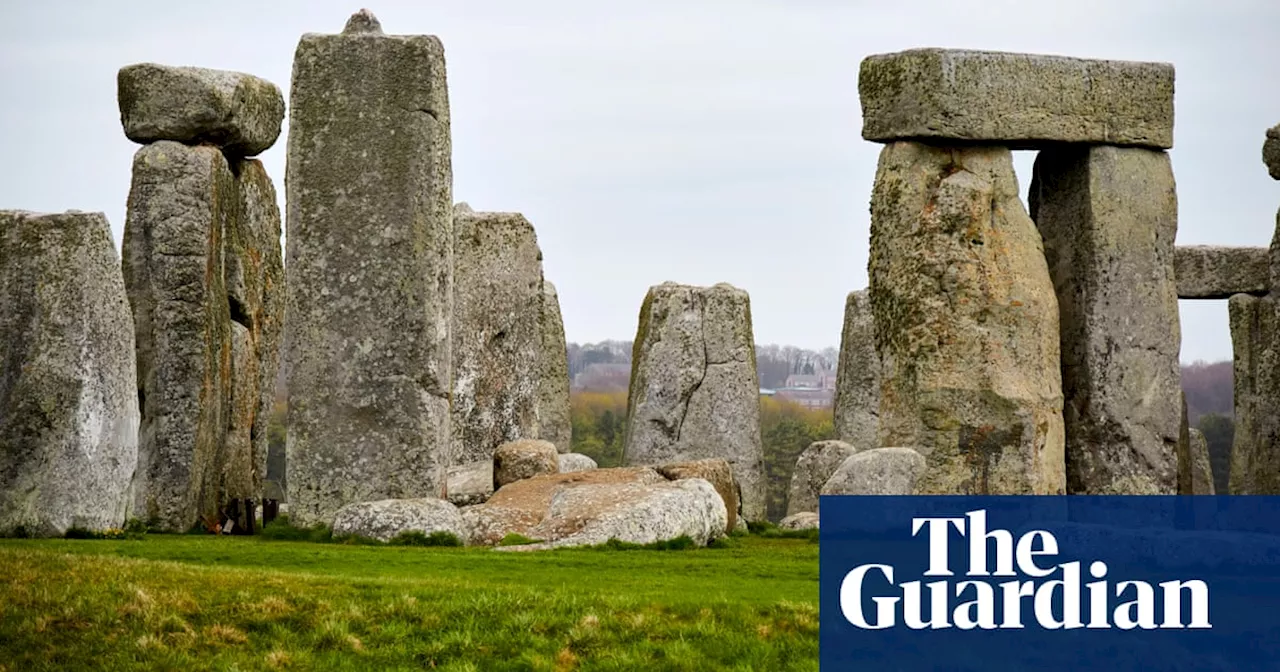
1116,583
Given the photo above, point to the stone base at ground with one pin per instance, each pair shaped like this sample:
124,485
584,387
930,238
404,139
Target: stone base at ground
523,459
386,519
816,464
470,483
571,462
805,520
879,471
716,472
635,504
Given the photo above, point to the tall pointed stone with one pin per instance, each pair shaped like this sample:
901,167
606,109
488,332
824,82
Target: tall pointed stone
857,401
554,423
68,391
181,202
966,322
1108,216
369,269
497,332
694,390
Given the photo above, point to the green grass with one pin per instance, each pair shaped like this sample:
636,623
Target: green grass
177,602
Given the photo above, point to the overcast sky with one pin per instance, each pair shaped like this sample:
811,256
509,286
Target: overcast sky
663,140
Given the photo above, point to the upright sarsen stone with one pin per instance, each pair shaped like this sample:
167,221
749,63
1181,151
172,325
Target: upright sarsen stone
68,395
966,323
181,202
369,270
857,400
554,423
255,296
497,333
694,391
1255,450
1108,216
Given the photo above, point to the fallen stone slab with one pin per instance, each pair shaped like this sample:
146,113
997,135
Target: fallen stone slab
1016,100
879,471
470,483
237,112
814,466
386,519
804,520
571,462
526,458
631,513
716,472
857,398
518,507
1217,272
68,387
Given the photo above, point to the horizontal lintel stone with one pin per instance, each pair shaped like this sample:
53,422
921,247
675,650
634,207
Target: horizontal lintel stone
1213,272
1017,100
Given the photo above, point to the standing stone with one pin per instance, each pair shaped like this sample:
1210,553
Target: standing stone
1201,472
181,202
966,323
552,410
68,391
816,464
857,401
1108,216
694,392
255,295
1255,451
369,270
497,333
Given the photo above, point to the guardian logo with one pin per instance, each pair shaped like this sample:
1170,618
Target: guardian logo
1116,583
1032,588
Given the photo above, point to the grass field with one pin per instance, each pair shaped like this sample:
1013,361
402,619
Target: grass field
169,602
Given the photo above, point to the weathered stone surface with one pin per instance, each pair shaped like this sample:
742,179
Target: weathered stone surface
571,462
552,409
1201,468
1015,100
815,465
471,483
525,458
1215,272
719,474
857,400
521,506
879,471
694,392
497,332
630,512
182,201
1255,450
254,271
966,322
237,112
804,520
1271,152
384,520
369,271
68,391
1108,216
